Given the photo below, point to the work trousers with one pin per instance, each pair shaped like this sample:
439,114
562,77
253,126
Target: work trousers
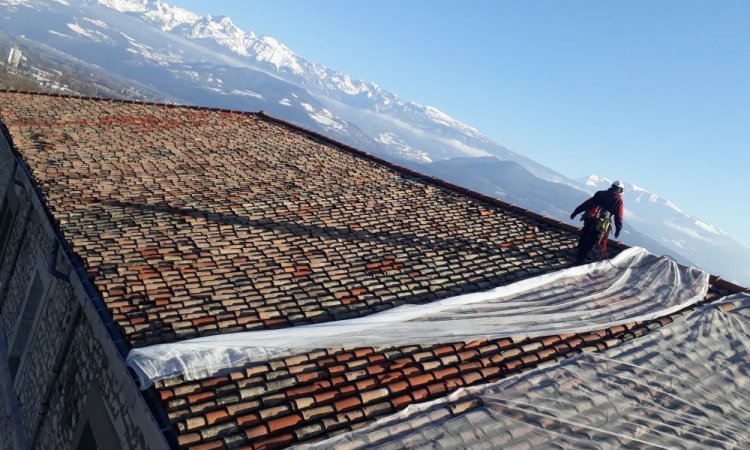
589,238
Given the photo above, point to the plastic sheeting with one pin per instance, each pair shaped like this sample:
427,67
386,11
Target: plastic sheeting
633,286
686,385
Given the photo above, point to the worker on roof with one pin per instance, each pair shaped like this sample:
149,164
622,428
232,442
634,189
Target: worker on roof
598,211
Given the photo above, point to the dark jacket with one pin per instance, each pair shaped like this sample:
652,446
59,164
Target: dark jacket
609,200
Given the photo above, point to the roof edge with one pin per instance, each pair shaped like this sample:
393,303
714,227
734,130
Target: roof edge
126,101
721,283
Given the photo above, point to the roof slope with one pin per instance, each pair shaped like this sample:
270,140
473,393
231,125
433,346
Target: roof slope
194,221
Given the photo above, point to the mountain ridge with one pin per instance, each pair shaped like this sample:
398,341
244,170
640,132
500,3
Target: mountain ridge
278,60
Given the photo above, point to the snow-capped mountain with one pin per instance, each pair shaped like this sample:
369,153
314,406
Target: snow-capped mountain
180,56
209,60
707,245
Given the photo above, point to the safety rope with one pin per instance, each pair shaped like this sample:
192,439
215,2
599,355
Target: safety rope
603,256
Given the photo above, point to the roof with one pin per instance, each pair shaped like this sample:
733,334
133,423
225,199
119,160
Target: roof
195,221
192,221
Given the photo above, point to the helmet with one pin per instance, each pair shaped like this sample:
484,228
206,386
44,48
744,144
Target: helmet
619,186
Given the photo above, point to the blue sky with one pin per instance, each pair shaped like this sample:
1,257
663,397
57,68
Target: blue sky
654,93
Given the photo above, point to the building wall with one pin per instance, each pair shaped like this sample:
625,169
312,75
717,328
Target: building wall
9,422
86,372
6,166
12,276
70,373
35,373
24,253
8,403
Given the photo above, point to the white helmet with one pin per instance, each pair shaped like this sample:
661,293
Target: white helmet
619,185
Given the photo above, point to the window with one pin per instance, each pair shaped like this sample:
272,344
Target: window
8,211
87,441
95,429
25,323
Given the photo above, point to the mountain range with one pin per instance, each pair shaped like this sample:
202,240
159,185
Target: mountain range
173,55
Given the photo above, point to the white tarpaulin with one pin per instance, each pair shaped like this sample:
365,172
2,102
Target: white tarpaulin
686,385
633,286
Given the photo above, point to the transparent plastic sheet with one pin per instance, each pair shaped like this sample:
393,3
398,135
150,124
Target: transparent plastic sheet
633,286
686,385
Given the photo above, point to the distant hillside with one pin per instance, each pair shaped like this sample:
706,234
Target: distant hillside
47,70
